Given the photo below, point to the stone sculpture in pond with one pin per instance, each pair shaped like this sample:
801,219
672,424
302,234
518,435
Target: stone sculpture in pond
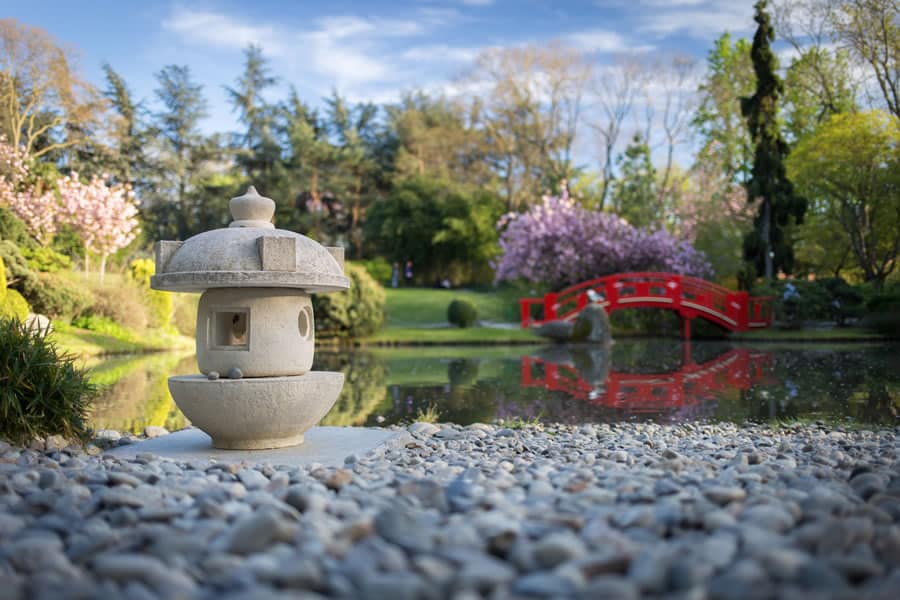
255,328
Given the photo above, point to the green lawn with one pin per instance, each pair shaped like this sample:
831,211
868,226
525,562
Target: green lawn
470,335
85,343
414,307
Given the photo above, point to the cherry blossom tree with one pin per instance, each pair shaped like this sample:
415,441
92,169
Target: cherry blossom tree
105,217
559,243
37,209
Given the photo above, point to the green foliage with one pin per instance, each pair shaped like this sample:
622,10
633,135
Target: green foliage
718,119
103,325
16,267
364,387
184,315
160,305
448,232
461,313
769,246
634,193
42,392
850,168
13,229
56,297
44,259
884,310
14,306
355,313
126,305
140,270
379,269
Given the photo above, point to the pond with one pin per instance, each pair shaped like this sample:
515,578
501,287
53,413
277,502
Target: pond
662,380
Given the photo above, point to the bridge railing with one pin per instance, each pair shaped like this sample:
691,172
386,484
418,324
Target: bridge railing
690,296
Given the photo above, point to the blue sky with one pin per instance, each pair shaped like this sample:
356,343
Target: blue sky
367,50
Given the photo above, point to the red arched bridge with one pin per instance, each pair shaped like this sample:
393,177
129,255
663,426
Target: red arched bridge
739,368
690,297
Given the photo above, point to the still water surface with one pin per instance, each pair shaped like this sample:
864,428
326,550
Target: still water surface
659,380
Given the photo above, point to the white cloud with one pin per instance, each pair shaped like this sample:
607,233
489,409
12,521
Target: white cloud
439,53
602,40
222,31
477,2
700,19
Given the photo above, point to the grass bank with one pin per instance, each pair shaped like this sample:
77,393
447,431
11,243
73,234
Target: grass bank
85,343
418,316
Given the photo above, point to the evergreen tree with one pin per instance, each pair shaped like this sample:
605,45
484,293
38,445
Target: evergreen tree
768,247
171,203
258,147
634,196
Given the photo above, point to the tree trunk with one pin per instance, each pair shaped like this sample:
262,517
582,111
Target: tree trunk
102,267
767,241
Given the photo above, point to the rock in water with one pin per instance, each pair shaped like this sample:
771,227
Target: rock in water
592,325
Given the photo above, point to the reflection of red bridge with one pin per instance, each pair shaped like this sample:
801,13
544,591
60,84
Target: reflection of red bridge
688,296
739,368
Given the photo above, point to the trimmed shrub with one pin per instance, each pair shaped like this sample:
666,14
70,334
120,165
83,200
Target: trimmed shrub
55,297
45,259
355,313
379,269
160,305
462,313
140,270
122,304
12,229
184,316
42,392
14,306
884,311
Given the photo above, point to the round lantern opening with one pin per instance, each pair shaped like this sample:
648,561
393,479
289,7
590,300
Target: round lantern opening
304,323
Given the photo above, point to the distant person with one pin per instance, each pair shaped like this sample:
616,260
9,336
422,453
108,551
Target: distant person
408,273
395,275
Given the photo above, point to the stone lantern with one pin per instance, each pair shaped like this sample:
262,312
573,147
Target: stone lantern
255,328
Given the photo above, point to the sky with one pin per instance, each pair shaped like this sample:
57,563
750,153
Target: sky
367,50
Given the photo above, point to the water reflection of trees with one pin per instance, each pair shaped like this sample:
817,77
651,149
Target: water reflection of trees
134,392
364,386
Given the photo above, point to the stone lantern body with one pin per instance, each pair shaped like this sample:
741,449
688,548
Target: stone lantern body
255,327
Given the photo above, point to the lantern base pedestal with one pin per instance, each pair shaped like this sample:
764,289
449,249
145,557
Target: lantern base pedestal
256,413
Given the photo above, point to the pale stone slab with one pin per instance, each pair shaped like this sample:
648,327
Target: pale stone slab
328,446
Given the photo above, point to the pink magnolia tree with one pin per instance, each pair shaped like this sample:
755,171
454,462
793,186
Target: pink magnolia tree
105,217
37,209
560,243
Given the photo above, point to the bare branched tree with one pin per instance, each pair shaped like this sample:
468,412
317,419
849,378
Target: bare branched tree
531,111
616,89
44,105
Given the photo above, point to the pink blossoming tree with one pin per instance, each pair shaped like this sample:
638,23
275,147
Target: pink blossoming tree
38,210
560,243
104,217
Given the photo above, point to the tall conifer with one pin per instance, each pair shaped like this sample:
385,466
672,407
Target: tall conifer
767,247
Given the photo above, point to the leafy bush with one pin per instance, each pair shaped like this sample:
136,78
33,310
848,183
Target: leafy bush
462,313
45,259
41,390
884,311
124,304
55,297
379,269
140,270
160,305
103,325
12,229
355,313
17,269
14,306
184,315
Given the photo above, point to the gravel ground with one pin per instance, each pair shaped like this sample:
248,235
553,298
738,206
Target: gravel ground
593,511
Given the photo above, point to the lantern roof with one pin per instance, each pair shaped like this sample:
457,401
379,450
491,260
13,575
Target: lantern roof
250,252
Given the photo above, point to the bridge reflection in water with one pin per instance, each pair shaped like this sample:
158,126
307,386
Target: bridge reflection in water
583,373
